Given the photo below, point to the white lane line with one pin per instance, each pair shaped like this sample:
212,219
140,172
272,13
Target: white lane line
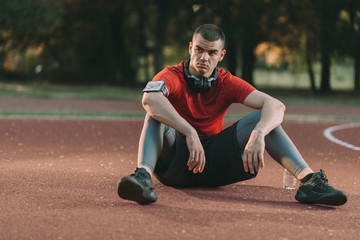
328,135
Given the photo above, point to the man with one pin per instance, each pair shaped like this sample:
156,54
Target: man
183,142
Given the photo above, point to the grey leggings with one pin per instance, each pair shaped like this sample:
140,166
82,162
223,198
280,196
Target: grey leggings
157,141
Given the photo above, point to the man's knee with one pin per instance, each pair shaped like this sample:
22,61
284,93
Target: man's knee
151,120
248,123
155,125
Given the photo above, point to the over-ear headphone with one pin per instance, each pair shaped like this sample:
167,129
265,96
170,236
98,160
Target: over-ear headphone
199,84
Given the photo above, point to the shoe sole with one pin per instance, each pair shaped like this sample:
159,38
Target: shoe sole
332,200
129,190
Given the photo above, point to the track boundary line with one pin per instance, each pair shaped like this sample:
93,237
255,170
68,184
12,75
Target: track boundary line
329,136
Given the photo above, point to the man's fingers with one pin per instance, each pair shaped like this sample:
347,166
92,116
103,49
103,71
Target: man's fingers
245,162
196,160
193,162
191,158
256,161
200,166
261,159
197,163
250,163
200,163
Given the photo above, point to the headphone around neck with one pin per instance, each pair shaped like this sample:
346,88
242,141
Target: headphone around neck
199,84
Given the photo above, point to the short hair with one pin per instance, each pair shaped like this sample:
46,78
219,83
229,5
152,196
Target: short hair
210,32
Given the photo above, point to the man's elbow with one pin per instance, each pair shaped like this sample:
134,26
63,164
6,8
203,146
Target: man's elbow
275,104
281,106
150,101
145,100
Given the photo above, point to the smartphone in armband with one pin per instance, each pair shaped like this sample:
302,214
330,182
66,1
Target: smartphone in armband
156,86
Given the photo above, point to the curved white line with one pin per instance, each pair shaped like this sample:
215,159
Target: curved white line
328,135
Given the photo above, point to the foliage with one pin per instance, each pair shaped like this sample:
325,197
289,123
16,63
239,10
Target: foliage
127,42
26,23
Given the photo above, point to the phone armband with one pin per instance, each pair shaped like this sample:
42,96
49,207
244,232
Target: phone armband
156,86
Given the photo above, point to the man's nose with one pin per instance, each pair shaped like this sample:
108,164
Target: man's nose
204,56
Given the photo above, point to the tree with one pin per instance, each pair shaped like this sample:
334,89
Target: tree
329,12
254,22
25,24
160,33
94,43
250,33
305,19
353,8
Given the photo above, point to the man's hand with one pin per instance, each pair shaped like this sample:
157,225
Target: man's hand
254,152
159,108
196,161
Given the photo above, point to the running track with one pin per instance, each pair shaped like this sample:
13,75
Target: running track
58,181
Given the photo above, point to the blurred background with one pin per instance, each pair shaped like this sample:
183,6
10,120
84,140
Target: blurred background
311,45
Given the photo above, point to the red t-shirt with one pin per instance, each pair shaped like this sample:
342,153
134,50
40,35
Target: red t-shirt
205,111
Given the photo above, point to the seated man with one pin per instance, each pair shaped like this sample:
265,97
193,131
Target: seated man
183,142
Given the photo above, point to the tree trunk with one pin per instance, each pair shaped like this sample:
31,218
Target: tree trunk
145,50
325,72
356,49
325,47
357,73
309,65
109,58
231,44
160,35
125,69
248,58
310,72
2,60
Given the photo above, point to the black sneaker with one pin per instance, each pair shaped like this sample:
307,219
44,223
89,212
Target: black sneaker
137,187
317,190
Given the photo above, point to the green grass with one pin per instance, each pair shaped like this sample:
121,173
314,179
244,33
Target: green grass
38,90
296,76
70,114
51,91
311,99
101,92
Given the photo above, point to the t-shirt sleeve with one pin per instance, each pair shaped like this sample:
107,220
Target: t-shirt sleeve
239,89
169,77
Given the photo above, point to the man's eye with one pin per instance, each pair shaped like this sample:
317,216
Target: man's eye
199,50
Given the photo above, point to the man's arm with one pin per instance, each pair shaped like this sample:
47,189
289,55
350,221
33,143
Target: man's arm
159,108
272,115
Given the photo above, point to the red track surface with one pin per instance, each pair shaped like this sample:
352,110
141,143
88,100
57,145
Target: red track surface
59,177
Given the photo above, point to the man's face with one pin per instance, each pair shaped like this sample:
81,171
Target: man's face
205,56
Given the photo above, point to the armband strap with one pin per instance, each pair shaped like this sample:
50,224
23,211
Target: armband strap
156,86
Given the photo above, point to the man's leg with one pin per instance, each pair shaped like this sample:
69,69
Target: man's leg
277,144
313,186
156,140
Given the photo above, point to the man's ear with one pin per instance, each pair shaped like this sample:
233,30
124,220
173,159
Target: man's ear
223,52
190,47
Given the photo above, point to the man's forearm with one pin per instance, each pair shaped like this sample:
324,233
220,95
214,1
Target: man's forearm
272,115
159,108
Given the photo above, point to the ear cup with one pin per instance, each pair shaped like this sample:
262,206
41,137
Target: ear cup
199,84
202,84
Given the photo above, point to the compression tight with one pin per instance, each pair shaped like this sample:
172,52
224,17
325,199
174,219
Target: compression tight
277,143
158,141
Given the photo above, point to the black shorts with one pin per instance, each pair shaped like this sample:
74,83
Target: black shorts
223,162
